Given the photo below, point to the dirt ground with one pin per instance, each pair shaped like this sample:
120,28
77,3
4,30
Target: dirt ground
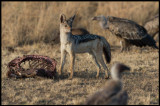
141,83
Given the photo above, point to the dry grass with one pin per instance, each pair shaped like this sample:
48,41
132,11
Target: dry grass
30,26
31,22
141,83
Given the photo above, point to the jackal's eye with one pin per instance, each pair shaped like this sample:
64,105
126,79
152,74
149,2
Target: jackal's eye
65,25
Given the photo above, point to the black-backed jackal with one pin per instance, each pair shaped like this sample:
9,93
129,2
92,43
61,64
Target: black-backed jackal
88,43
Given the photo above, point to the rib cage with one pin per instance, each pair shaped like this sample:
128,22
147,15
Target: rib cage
37,65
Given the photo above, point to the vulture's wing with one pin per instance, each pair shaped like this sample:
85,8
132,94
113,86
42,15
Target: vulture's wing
104,96
130,31
120,99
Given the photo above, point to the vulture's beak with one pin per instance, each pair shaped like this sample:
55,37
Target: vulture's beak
94,18
123,67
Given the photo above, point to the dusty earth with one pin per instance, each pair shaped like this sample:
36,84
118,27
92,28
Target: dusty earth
141,83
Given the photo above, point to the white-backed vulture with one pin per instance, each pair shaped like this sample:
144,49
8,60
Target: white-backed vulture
111,93
128,31
152,27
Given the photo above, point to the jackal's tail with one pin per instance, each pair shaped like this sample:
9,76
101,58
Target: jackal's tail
106,50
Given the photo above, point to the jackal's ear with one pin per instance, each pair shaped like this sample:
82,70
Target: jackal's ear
72,18
62,18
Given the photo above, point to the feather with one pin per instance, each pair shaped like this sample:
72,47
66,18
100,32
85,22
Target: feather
111,93
128,30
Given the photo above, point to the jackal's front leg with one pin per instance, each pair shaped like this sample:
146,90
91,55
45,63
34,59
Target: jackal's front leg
63,58
72,60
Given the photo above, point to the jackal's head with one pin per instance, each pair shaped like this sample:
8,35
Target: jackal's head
66,25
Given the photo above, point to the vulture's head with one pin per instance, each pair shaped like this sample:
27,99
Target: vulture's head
117,69
102,21
98,18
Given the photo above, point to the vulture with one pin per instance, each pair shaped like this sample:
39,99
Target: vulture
112,92
152,27
129,32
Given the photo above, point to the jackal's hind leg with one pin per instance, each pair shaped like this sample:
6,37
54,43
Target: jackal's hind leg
99,67
100,59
